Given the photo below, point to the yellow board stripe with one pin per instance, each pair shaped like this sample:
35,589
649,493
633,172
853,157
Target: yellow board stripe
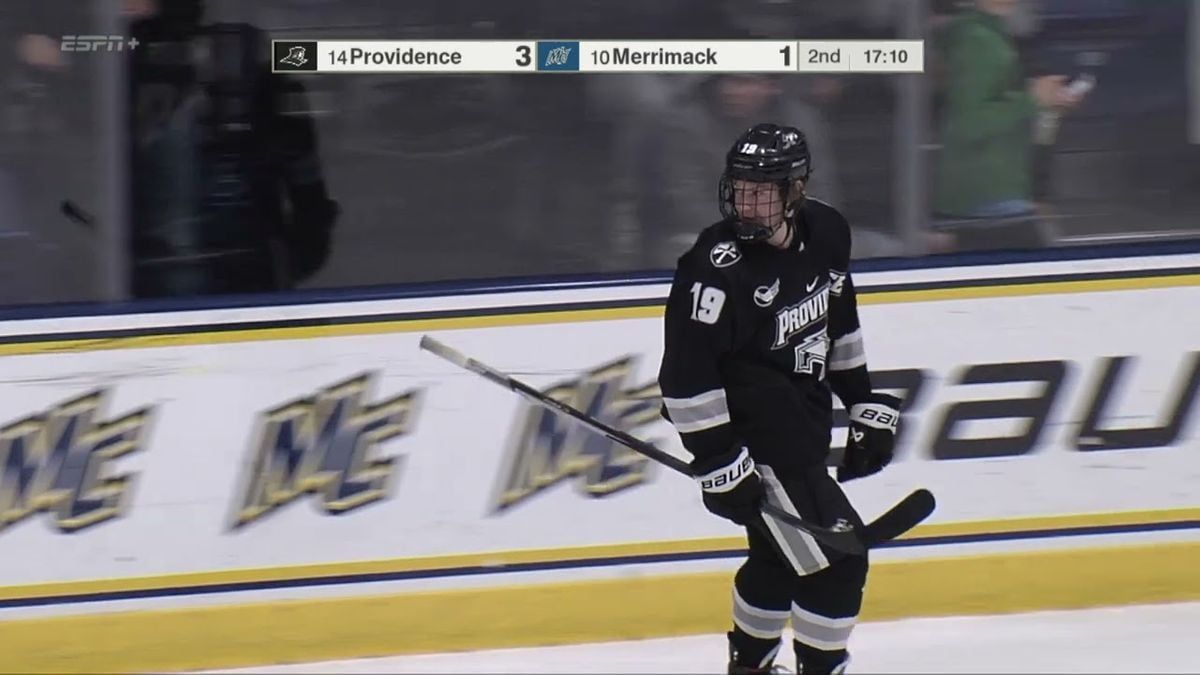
1060,522
1038,288
336,330
368,327
545,614
497,560
500,559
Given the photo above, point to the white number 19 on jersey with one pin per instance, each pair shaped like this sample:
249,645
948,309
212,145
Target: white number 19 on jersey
707,303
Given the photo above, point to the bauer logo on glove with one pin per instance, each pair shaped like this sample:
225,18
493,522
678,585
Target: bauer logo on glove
876,415
726,478
872,437
730,485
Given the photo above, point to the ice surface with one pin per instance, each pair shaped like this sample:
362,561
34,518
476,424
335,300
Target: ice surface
1136,639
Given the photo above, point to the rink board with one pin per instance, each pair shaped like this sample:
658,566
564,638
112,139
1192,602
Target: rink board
213,488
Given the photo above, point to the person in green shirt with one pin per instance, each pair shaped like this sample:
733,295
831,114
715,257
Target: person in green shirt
985,168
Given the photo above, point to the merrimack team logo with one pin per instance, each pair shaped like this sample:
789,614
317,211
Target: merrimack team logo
60,462
558,56
547,448
724,254
326,444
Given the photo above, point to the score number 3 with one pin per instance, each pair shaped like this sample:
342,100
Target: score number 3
707,303
526,56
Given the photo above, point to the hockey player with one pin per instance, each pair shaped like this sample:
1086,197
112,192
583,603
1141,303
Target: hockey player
761,328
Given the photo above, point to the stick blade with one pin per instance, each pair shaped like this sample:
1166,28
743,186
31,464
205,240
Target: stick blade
901,518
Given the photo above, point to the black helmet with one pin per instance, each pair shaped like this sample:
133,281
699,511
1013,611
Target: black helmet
765,153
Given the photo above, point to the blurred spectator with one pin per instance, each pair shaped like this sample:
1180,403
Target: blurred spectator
10,213
18,263
43,85
47,149
12,221
1193,72
227,189
535,175
984,189
681,163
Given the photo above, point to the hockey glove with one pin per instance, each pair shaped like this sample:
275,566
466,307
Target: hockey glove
872,437
730,485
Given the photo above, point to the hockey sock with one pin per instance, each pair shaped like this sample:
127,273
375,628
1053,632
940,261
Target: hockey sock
761,609
813,661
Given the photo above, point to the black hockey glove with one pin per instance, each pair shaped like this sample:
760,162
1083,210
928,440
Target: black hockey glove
730,485
872,437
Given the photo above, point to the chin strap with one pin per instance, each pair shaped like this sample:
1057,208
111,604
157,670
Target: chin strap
791,229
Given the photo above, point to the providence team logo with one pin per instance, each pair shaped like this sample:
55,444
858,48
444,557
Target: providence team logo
292,55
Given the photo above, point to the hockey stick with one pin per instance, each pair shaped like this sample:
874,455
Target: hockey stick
900,518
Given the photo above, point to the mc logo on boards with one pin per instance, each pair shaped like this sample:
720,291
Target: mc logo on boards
64,462
327,444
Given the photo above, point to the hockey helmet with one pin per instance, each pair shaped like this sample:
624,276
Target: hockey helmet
765,153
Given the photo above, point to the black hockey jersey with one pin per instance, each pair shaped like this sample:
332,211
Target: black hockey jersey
757,336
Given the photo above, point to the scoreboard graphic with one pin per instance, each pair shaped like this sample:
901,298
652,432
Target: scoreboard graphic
593,56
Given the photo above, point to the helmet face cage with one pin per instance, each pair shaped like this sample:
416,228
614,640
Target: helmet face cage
769,206
765,155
